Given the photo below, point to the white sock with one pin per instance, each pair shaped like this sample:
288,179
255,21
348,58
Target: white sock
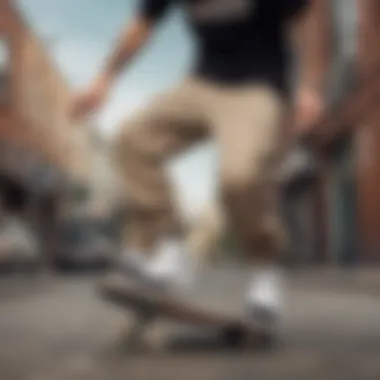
266,288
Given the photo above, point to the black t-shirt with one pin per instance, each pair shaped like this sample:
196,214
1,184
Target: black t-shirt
238,41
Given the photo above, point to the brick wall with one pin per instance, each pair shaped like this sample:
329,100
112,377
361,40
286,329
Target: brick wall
368,141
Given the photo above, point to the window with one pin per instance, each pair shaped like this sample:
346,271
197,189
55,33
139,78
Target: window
4,68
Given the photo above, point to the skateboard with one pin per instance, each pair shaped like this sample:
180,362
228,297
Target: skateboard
149,304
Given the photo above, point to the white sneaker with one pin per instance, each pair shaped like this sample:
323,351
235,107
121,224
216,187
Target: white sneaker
171,266
265,297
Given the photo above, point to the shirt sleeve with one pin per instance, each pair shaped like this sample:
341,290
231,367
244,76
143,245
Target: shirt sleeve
154,9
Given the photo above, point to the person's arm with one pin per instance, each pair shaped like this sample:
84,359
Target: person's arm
131,41
312,32
128,45
314,38
135,37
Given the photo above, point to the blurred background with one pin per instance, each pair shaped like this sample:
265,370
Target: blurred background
61,207
57,187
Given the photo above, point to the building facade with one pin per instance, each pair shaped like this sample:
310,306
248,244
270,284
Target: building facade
344,206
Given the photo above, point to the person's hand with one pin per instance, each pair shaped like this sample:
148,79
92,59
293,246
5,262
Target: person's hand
309,108
91,100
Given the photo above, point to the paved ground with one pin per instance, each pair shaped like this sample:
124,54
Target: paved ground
57,329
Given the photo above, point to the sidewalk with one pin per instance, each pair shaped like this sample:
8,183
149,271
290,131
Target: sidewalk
356,279
64,331
362,280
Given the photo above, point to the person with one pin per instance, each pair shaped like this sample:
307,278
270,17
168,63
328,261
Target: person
239,94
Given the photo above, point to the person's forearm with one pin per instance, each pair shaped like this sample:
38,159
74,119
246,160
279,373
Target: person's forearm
129,44
315,44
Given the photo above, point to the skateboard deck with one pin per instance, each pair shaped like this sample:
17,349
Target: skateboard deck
149,303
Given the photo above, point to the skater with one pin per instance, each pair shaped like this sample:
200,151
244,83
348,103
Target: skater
239,94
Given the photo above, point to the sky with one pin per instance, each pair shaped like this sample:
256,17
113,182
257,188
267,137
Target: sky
80,33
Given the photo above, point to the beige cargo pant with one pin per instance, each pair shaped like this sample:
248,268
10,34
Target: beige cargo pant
246,123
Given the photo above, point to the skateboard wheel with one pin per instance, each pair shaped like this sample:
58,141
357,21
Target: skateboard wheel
233,336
